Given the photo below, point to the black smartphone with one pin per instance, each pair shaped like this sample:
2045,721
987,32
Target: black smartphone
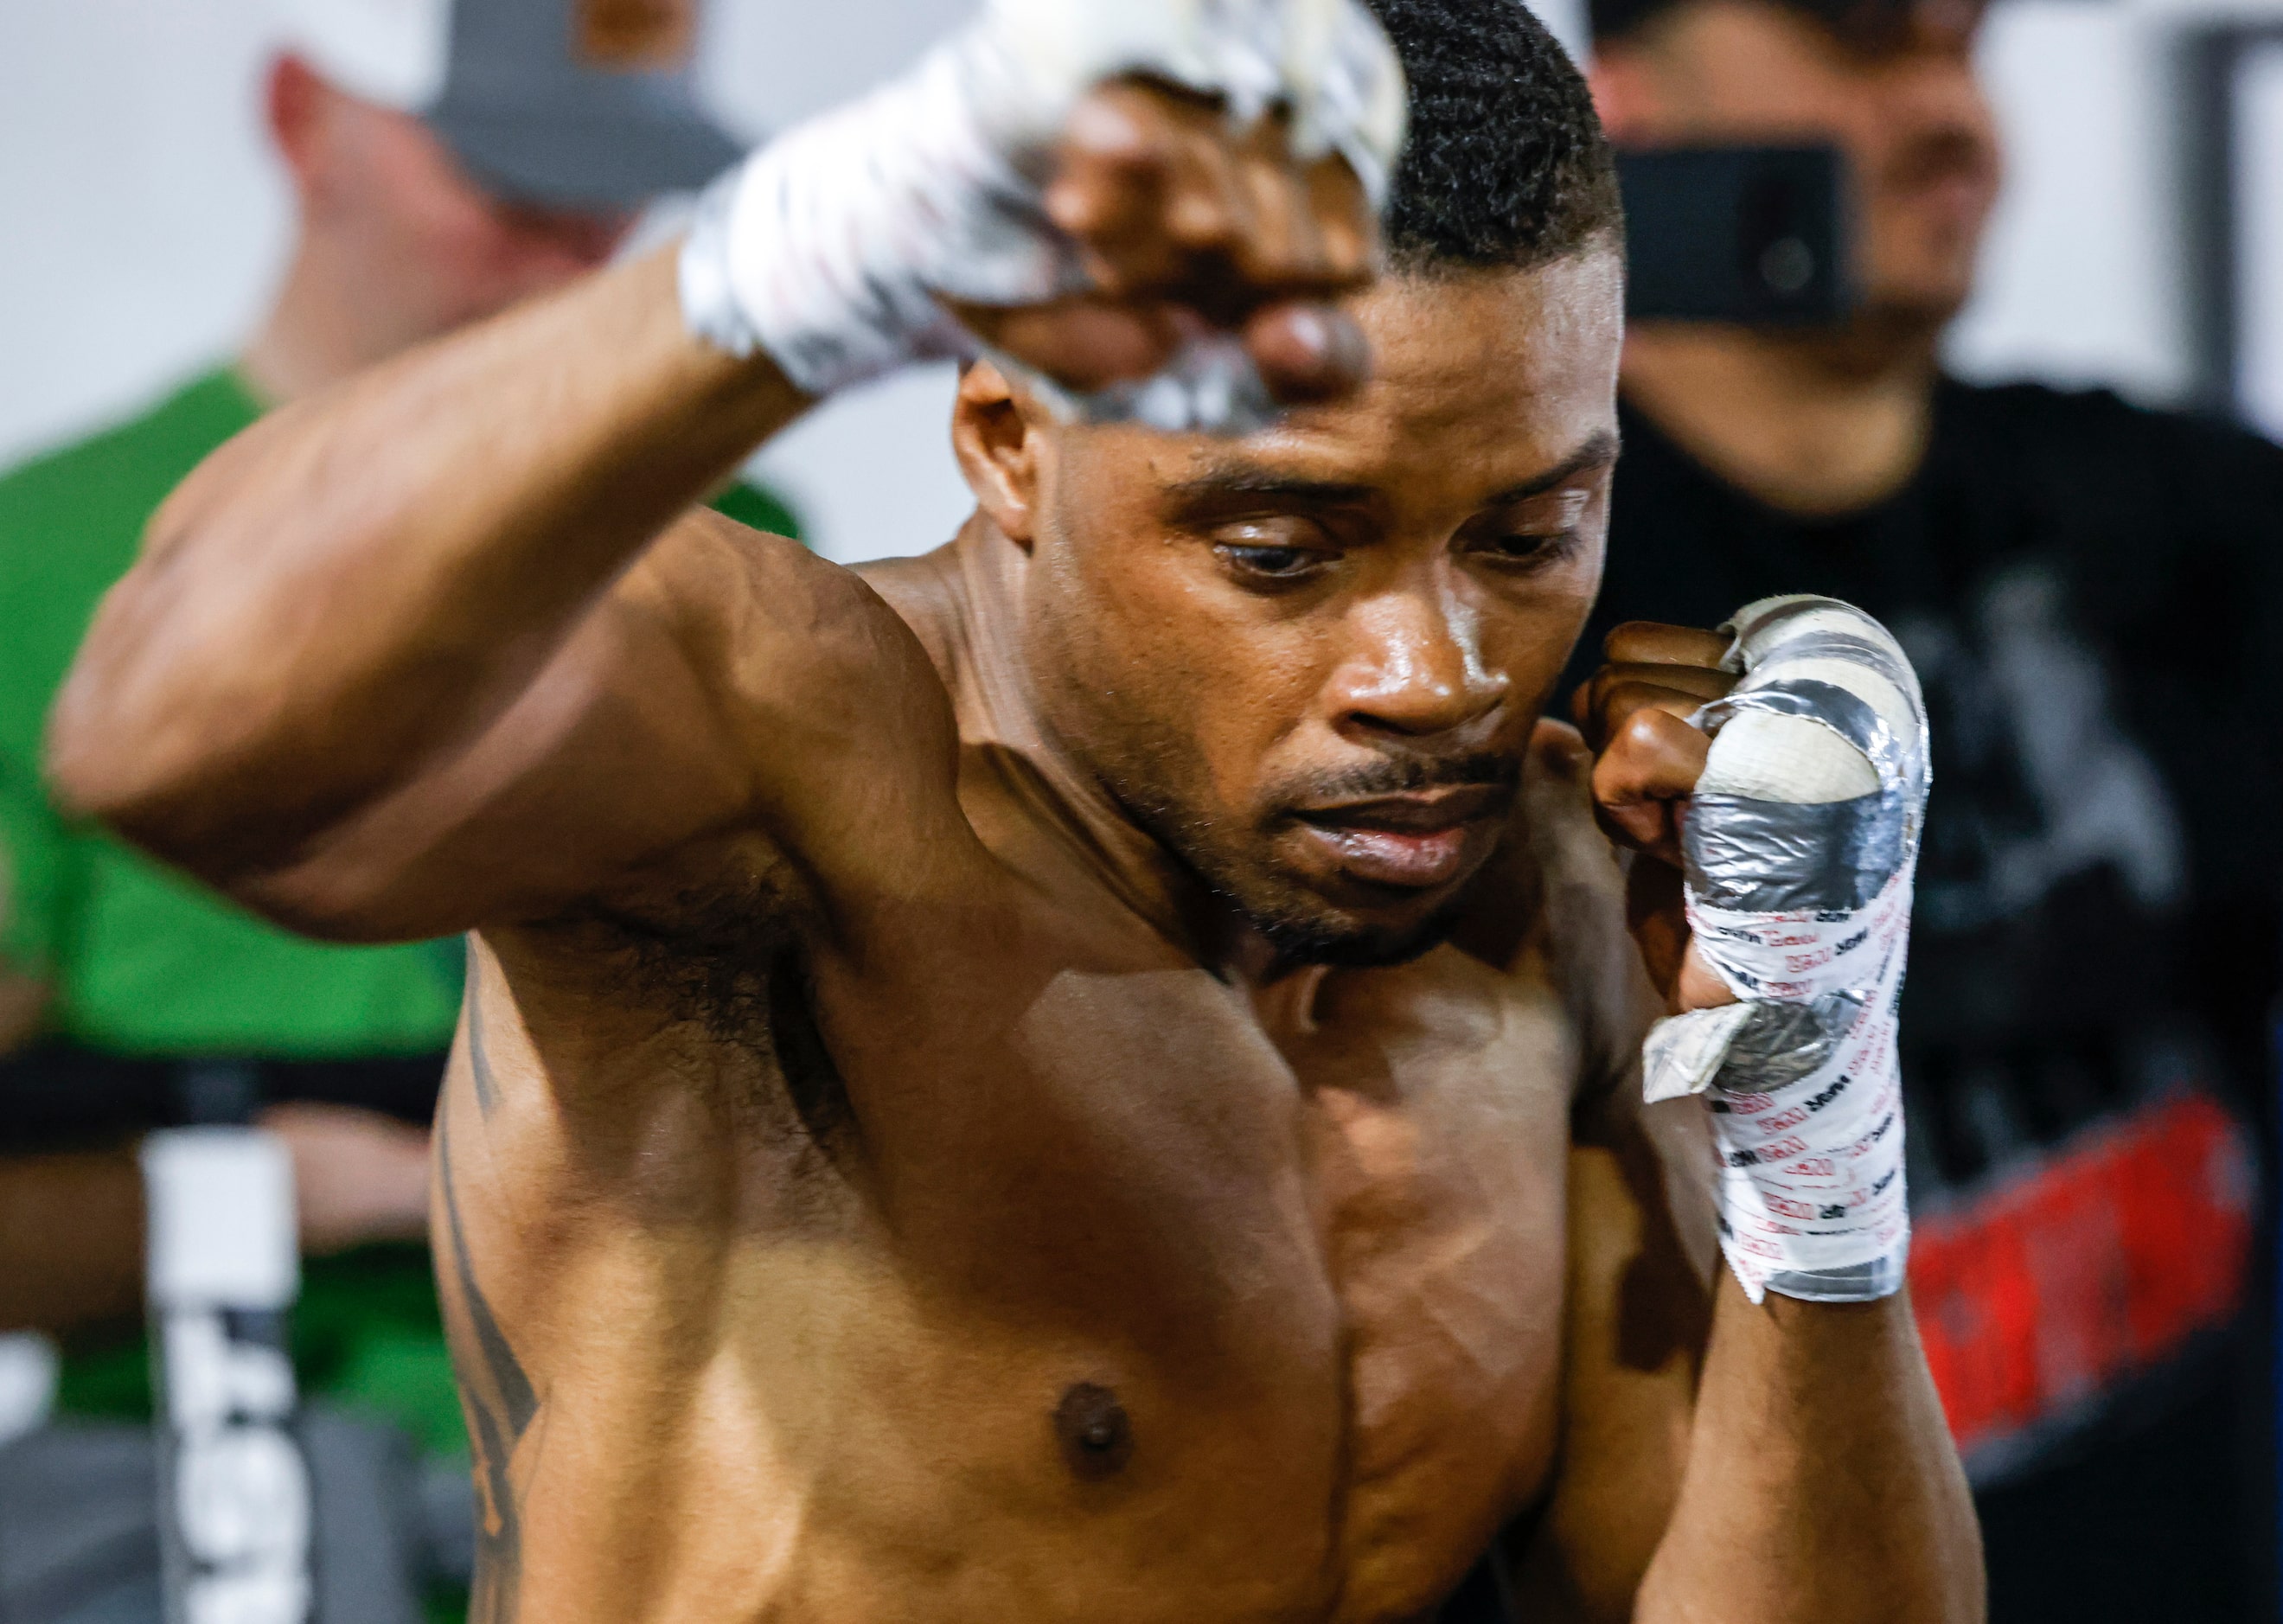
1750,234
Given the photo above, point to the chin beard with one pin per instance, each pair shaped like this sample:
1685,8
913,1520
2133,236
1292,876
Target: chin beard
1321,936
1296,922
1298,926
1886,324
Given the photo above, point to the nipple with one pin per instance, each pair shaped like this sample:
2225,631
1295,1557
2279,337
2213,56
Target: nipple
1097,1436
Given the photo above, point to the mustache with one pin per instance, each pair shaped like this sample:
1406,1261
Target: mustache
1938,154
1408,775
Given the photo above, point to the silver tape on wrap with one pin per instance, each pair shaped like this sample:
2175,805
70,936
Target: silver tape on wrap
1802,906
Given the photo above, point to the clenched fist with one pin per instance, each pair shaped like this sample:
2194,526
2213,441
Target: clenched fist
1635,712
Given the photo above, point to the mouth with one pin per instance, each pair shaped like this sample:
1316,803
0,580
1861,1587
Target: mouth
1960,193
1411,842
1954,173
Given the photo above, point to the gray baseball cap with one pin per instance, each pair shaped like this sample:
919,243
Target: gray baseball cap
570,104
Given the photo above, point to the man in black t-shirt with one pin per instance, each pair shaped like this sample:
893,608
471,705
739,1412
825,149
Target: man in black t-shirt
2094,594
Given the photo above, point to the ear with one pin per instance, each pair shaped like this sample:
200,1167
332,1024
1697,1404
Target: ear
998,434
298,106
1626,92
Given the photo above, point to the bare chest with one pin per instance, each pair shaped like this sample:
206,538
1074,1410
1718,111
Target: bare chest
1311,1246
1168,1278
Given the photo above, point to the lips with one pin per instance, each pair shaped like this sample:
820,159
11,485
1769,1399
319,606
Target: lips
1383,858
1416,842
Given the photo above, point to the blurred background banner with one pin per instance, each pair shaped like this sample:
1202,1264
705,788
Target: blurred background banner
149,218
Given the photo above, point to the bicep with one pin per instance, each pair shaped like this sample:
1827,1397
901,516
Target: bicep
1639,1315
683,708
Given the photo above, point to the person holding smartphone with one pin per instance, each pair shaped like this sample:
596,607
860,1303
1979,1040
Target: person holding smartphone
2090,592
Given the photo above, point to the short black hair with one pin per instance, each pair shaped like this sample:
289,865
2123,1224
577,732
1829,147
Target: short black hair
1506,164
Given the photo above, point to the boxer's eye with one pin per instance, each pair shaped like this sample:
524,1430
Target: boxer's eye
1544,530
1530,550
1270,551
1273,563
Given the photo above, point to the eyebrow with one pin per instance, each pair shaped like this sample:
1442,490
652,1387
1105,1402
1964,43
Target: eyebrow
1223,481
1237,479
1600,450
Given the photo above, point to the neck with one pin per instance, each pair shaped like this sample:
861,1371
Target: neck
983,652
1812,425
320,328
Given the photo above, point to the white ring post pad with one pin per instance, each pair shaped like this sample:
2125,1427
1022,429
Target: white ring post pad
220,1227
1800,844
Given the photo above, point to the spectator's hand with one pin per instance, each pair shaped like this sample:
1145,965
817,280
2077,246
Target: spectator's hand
358,1176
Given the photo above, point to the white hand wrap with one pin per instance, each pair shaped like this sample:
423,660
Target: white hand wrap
828,247
1800,844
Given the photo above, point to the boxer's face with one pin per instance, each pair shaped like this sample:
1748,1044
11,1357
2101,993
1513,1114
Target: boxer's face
1309,660
1903,106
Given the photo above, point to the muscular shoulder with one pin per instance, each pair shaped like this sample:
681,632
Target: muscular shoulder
755,599
822,695
792,645
1662,1150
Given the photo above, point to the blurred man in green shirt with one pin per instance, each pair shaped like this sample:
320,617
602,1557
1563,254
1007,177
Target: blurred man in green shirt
447,159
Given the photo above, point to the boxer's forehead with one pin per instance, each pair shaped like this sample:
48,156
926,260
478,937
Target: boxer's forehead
1483,382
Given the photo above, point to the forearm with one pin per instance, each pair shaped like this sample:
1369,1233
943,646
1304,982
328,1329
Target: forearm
71,1240
1821,1484
362,578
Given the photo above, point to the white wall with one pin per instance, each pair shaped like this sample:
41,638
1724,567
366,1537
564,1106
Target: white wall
2084,278
144,219
2259,203
139,217
2081,278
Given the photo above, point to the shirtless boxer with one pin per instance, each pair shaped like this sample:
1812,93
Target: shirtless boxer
1093,1074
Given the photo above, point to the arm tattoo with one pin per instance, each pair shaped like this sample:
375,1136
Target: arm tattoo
479,1063
500,1404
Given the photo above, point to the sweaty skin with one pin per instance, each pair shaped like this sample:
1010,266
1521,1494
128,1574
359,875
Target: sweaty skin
878,1179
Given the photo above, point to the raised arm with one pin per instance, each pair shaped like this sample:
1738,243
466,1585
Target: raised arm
1755,1455
339,608
470,583
1723,1462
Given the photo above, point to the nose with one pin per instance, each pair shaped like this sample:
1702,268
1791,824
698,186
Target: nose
1414,668
1946,27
